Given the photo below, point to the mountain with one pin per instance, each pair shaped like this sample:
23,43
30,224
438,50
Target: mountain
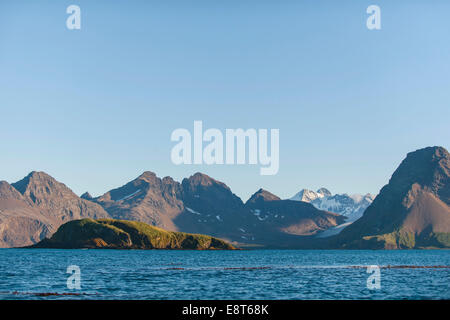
20,222
122,234
210,207
147,199
55,199
289,220
351,206
260,197
324,192
307,195
36,206
411,211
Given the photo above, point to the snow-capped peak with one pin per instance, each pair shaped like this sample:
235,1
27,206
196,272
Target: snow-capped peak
352,206
325,192
307,195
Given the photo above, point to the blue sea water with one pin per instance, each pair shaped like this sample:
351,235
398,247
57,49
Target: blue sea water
246,274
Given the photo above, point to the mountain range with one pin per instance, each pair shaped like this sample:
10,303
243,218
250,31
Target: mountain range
411,211
32,209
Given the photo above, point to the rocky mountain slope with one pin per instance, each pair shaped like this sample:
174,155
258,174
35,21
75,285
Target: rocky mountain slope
36,206
147,199
123,234
21,223
55,199
411,211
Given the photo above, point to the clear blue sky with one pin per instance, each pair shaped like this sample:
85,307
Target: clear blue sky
95,107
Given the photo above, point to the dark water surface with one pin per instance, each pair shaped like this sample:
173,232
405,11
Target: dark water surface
253,274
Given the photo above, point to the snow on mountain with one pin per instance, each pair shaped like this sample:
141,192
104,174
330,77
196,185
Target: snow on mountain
325,192
129,196
351,206
193,211
308,195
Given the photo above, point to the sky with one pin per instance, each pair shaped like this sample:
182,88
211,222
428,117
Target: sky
96,107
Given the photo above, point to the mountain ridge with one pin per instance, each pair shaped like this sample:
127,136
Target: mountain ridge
199,204
412,210
34,207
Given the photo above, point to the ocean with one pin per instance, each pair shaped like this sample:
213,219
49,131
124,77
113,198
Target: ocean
211,275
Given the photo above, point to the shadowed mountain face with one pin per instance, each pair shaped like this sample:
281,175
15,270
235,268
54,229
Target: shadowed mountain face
412,210
210,193
260,197
281,218
211,208
86,196
36,206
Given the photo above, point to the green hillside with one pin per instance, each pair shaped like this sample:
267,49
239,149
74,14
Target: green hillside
123,234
